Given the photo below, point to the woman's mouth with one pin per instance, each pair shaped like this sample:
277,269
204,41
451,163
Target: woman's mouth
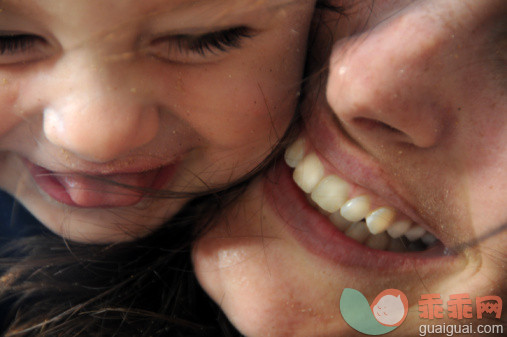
353,210
99,190
338,219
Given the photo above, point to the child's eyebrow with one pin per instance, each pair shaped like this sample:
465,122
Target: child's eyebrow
232,5
180,4
38,8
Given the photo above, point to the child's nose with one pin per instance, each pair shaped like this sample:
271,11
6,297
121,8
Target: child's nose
389,83
97,116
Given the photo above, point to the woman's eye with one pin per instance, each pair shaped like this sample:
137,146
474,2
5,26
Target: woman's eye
201,48
19,47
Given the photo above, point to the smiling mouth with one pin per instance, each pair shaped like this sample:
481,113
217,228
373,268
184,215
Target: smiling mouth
99,191
352,210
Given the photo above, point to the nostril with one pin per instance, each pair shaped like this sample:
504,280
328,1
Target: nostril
423,132
369,124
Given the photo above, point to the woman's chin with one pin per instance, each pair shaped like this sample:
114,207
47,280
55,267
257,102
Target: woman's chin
270,284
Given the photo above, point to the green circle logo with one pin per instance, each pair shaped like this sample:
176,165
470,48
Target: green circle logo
387,311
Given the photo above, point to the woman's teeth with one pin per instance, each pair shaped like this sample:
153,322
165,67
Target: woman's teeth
330,193
356,208
399,228
295,152
380,219
309,172
377,228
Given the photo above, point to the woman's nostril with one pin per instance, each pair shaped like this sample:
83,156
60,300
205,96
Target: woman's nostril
423,133
369,124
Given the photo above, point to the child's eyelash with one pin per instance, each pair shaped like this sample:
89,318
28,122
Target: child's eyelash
214,42
10,44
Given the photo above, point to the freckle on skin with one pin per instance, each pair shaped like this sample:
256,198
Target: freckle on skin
179,82
65,155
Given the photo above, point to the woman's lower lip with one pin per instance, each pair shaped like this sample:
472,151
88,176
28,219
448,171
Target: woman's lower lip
319,236
107,191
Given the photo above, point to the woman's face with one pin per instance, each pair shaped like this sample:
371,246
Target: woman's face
174,95
407,131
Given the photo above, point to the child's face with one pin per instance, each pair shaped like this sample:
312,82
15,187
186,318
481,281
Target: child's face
175,94
410,116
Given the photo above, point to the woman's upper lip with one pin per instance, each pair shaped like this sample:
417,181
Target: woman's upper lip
355,165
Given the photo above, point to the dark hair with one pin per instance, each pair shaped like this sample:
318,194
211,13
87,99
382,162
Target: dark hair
51,287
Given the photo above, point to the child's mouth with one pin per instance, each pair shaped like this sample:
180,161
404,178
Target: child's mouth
99,191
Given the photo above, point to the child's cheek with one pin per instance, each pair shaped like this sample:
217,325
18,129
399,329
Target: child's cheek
234,106
9,114
258,100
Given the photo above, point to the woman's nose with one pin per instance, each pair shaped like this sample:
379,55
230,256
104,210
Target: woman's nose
385,85
95,114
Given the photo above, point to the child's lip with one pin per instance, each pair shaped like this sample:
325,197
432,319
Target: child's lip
315,232
100,188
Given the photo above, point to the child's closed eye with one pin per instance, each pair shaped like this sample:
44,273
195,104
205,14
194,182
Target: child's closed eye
181,48
19,47
13,43
200,48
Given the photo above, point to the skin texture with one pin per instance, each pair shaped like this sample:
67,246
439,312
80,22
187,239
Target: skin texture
414,104
107,90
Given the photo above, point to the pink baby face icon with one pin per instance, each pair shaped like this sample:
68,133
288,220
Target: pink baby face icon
390,307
